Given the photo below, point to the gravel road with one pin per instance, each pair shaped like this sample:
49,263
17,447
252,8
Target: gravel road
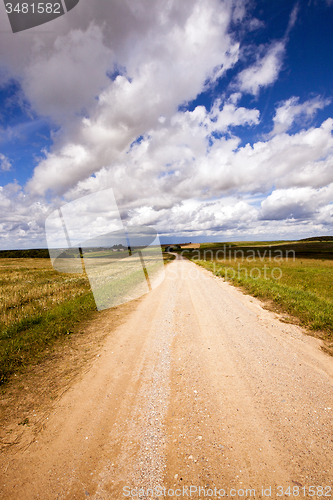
200,388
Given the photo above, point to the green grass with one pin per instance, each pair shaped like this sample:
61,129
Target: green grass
300,287
122,280
24,342
38,305
243,243
298,249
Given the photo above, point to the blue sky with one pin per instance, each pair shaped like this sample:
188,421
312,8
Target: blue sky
24,135
211,120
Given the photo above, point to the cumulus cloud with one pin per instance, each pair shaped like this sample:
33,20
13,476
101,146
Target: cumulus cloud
183,160
296,203
118,93
263,72
160,73
195,217
290,111
66,79
22,219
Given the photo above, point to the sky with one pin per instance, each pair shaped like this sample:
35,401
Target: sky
211,120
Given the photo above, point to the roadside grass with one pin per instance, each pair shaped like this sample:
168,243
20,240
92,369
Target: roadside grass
302,288
38,306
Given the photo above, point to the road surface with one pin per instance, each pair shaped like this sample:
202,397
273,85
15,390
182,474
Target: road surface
200,388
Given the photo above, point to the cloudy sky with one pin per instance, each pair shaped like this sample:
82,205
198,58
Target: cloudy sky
211,120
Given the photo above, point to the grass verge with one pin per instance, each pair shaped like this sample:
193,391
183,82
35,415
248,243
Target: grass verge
24,342
301,288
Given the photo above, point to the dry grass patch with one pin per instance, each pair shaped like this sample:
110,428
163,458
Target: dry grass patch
38,305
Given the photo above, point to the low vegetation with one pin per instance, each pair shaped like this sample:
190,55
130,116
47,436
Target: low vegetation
37,306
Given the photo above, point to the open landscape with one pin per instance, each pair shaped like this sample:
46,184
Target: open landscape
166,249
40,305
194,384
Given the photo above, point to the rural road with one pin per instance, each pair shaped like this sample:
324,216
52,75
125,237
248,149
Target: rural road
200,387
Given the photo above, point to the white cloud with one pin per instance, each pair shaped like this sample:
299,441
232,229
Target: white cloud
162,71
296,203
5,164
65,80
22,219
264,71
167,50
182,171
229,115
62,168
175,165
292,19
195,217
291,111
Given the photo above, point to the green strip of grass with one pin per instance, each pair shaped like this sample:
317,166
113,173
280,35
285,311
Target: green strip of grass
241,244
301,291
24,342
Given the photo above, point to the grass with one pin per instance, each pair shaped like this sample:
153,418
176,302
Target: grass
299,249
242,243
302,287
38,306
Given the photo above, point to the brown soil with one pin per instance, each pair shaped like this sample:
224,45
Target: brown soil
37,389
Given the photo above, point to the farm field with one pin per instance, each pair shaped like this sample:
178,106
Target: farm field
38,306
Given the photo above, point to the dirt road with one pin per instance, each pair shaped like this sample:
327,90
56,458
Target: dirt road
201,387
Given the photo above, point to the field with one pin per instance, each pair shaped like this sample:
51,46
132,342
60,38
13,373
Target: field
296,277
38,306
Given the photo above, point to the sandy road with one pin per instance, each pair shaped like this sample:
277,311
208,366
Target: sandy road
200,387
